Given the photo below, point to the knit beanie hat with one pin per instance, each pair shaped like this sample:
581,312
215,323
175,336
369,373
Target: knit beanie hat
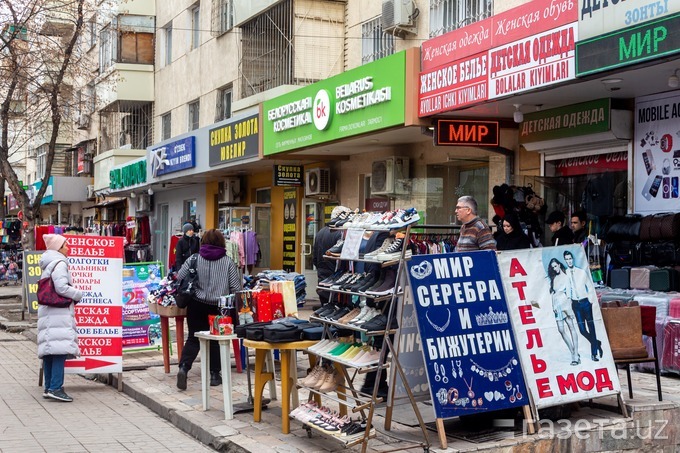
187,227
54,241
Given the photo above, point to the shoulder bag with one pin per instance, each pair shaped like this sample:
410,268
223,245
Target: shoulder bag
48,295
186,287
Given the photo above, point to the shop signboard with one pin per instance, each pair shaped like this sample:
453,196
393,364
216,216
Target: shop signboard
585,165
96,265
31,275
656,154
471,357
522,49
129,174
586,118
234,141
647,41
141,328
173,156
563,345
407,342
47,196
365,99
289,228
466,133
598,17
288,175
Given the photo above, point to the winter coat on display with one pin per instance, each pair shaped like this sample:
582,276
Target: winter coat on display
56,325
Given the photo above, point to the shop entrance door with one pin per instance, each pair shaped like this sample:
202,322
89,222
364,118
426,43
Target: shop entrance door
260,218
312,221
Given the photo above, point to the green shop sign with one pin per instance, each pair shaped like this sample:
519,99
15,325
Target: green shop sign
128,175
362,100
647,41
585,118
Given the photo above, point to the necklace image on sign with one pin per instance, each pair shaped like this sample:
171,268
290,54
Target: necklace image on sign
435,326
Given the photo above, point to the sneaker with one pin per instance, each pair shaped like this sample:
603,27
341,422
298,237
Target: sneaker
387,286
312,377
331,382
59,395
405,218
393,252
385,245
336,250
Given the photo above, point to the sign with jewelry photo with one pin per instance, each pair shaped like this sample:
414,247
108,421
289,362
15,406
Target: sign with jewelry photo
470,353
555,314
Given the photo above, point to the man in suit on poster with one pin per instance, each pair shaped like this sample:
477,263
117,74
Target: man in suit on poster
583,308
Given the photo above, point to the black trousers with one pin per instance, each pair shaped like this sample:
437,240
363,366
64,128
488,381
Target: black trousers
197,320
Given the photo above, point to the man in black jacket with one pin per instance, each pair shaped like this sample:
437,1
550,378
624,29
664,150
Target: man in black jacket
562,234
186,246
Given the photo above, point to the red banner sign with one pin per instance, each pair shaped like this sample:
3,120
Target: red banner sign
592,164
529,19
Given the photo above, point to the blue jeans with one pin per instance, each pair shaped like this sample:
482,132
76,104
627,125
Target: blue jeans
53,371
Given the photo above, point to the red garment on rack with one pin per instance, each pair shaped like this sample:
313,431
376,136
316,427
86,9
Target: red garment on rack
40,231
171,254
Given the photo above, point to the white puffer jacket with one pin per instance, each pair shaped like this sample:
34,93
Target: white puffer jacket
57,326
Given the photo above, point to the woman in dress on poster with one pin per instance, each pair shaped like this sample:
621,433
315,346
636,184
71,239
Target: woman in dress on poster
564,313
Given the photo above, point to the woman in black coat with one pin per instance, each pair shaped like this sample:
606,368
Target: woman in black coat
512,237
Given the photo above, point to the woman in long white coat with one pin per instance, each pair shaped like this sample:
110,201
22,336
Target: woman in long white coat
57,337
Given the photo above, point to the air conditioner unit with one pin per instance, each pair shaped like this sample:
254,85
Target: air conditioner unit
230,191
396,14
83,120
90,192
318,182
389,176
143,202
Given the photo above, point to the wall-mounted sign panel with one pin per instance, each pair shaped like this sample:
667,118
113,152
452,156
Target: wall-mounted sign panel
466,133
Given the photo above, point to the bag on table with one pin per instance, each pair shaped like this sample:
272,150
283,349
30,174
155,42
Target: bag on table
264,306
48,295
186,287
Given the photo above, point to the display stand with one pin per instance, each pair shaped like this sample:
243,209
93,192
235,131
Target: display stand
166,313
348,396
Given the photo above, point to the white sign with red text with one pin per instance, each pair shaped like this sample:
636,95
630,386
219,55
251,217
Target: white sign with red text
562,342
96,265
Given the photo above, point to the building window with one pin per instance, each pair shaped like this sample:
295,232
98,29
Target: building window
194,108
91,33
41,161
107,48
168,45
374,43
222,16
195,23
448,15
136,47
223,108
166,126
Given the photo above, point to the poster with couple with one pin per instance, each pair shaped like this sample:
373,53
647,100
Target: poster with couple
558,326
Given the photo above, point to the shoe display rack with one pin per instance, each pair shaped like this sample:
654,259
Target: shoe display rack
346,359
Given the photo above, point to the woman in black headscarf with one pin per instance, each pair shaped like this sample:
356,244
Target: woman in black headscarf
512,237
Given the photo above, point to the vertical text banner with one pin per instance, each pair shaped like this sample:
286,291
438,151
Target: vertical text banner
141,328
96,265
470,353
554,310
32,273
289,229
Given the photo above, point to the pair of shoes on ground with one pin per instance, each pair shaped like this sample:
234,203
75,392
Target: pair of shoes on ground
58,395
215,378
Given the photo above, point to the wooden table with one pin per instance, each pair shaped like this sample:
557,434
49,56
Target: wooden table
225,354
287,380
166,313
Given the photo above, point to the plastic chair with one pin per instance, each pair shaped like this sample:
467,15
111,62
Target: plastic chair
648,316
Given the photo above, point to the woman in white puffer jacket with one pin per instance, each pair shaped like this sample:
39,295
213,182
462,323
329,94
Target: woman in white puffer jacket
57,338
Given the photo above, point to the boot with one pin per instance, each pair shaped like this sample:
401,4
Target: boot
182,378
215,378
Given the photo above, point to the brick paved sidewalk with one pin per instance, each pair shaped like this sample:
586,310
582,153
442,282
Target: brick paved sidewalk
99,419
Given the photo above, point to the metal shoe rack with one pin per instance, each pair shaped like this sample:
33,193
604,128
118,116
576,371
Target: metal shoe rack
350,398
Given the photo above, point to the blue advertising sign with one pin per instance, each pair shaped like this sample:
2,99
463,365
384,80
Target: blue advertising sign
173,156
471,358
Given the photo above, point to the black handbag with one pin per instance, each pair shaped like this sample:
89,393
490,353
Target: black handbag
186,287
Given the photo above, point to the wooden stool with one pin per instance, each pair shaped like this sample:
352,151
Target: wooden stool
287,379
204,338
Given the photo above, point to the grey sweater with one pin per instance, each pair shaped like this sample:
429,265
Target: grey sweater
215,278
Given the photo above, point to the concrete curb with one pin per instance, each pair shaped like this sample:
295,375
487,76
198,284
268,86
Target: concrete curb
197,425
